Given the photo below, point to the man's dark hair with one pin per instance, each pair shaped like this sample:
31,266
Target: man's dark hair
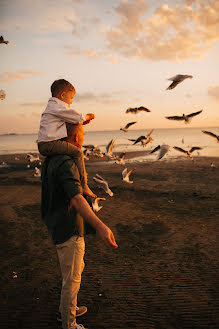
58,86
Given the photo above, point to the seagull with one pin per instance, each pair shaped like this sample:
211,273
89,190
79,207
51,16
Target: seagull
147,141
211,134
32,158
2,94
186,117
109,148
135,110
3,41
126,174
120,159
102,183
188,153
178,79
91,147
142,138
37,172
16,158
163,150
95,205
125,129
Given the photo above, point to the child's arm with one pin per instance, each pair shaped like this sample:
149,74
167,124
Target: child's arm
89,117
69,115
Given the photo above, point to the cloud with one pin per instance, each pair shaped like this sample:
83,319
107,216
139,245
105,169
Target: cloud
18,75
73,51
214,92
169,33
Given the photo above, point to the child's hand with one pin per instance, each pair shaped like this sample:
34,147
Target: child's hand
89,117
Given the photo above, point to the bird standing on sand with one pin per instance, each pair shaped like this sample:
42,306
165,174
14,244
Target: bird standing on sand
95,204
3,41
126,174
178,79
102,183
37,172
186,117
2,94
125,129
211,134
135,110
163,150
32,158
188,153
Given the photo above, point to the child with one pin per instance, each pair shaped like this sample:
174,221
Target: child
53,130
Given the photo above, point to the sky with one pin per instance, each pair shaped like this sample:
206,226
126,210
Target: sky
117,54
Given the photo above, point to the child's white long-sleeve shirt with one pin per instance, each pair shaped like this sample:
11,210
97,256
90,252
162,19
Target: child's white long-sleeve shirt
53,119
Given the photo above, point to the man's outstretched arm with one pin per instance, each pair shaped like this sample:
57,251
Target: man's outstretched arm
106,235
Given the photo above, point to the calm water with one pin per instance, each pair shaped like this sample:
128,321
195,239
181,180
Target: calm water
174,137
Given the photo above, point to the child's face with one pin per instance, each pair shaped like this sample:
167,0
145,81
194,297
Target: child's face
67,96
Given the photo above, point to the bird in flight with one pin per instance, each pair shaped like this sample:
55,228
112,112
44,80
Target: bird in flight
3,41
102,183
211,134
143,139
163,150
95,204
188,153
186,117
135,110
178,79
125,129
120,159
126,174
109,148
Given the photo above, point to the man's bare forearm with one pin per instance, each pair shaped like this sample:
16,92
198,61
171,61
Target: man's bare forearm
83,208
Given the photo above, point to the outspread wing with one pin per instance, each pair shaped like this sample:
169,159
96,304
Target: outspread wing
142,108
130,124
101,178
155,149
210,133
150,133
195,148
179,149
194,114
139,139
175,117
173,85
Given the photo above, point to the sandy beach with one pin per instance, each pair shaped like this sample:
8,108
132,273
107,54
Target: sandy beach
164,274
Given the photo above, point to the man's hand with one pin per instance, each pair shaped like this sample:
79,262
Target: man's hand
81,205
107,237
89,117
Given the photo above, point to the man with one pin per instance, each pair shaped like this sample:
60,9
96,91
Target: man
67,216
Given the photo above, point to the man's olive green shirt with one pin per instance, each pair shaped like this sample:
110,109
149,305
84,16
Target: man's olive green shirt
60,182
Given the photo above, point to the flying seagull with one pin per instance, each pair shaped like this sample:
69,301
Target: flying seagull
163,150
125,129
188,153
2,94
102,183
120,159
109,148
178,79
126,174
186,117
147,141
95,204
141,138
211,134
135,110
3,41
37,172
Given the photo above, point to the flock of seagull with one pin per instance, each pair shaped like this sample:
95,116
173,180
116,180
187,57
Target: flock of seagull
144,140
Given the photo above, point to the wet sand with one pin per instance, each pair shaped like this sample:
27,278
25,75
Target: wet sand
164,275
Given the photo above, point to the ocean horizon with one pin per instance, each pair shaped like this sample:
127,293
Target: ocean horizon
186,138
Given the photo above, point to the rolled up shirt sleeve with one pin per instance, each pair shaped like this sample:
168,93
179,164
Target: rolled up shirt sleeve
69,179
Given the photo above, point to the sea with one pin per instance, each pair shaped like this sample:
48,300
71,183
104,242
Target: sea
181,137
